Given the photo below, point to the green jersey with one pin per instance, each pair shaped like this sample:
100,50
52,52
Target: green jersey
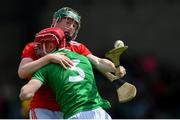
75,87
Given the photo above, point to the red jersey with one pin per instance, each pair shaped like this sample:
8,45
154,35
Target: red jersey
44,97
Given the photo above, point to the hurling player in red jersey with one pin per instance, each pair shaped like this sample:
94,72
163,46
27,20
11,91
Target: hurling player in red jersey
43,104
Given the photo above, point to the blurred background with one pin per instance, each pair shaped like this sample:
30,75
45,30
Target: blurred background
150,28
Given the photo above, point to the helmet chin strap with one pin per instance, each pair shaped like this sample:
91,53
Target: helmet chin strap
67,36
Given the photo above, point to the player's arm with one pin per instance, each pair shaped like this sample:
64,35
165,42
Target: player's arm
38,78
105,65
28,90
28,66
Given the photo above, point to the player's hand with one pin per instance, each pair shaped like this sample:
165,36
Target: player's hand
120,71
61,59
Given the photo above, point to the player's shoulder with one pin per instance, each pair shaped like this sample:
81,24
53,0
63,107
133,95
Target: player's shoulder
31,44
75,43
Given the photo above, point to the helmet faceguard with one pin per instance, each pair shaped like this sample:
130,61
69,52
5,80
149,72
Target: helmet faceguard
67,12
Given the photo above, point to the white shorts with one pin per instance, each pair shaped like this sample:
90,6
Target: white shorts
41,113
96,114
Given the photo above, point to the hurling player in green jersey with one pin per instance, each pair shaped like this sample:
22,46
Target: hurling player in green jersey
75,88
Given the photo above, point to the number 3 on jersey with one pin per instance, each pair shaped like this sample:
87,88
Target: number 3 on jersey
81,73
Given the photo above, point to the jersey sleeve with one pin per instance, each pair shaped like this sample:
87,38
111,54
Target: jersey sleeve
29,51
84,50
78,48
